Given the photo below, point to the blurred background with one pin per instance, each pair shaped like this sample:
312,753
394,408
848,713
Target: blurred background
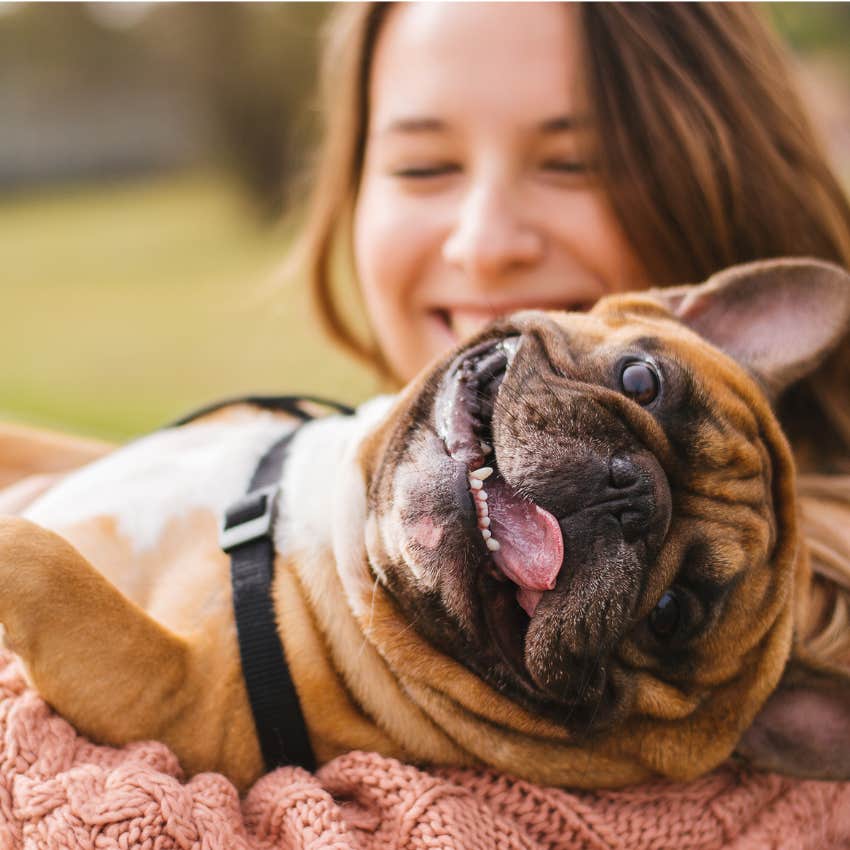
152,158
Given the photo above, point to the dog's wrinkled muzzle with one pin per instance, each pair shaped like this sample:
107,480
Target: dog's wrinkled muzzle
571,508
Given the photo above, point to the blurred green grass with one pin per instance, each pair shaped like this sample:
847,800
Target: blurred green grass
124,306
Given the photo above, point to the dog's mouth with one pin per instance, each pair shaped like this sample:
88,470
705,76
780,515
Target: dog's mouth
521,544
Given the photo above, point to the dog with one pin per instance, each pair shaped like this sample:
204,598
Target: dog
569,550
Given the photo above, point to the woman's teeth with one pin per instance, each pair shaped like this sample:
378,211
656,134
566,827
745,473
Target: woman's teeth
466,323
476,480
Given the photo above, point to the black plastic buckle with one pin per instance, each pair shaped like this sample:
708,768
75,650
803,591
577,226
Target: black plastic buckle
250,518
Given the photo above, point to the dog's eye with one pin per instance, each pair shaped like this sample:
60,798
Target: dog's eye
666,616
639,382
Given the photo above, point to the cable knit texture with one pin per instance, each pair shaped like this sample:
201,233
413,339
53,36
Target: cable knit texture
58,790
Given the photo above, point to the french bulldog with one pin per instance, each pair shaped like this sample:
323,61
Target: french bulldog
569,550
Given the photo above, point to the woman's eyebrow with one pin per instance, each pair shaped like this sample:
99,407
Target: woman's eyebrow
414,124
563,123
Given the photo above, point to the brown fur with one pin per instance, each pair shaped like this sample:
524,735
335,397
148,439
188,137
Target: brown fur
32,461
26,451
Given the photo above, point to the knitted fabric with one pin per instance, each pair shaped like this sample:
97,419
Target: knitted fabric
58,790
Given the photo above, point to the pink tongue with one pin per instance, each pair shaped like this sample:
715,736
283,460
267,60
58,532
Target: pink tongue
532,547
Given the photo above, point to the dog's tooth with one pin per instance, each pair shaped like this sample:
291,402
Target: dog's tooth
483,521
482,474
485,448
481,495
475,483
493,545
486,533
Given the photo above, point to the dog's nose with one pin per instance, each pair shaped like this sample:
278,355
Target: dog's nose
633,496
625,495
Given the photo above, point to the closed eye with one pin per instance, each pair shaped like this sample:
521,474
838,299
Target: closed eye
423,172
565,166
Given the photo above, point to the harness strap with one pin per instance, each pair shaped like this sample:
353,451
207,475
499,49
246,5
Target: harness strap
247,535
280,403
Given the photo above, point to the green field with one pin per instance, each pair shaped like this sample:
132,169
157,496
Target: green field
124,306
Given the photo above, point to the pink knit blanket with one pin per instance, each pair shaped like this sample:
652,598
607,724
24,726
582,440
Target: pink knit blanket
58,790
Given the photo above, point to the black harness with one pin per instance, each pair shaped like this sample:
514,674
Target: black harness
247,535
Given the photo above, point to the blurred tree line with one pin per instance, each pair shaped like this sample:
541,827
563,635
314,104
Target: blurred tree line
255,66
91,90
227,83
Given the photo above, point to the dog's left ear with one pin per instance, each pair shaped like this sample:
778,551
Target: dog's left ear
804,728
778,318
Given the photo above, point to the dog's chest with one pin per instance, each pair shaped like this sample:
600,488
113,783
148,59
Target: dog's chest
147,516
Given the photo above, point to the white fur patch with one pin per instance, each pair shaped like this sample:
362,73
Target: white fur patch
321,461
167,474
329,509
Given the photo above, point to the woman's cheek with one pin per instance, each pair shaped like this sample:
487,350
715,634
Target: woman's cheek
583,223
394,237
374,257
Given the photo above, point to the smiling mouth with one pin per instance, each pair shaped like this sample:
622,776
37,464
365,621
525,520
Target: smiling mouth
522,542
465,321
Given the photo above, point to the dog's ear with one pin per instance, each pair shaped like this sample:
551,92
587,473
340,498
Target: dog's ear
803,729
777,318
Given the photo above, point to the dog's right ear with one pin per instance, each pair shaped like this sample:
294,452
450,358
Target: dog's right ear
778,318
803,730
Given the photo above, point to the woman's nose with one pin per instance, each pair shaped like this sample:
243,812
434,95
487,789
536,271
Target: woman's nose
489,237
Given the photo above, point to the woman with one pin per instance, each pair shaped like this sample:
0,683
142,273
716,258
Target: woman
481,158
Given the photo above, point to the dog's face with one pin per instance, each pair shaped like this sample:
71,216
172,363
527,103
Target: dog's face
628,520
595,514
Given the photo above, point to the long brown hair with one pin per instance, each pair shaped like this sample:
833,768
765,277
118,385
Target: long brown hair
705,149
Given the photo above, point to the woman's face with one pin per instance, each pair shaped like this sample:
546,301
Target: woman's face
475,198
